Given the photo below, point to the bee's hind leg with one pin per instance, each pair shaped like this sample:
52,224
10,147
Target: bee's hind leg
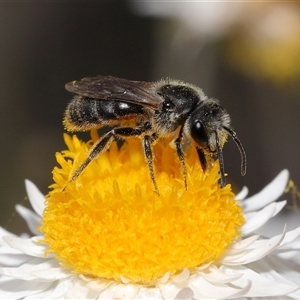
103,143
100,145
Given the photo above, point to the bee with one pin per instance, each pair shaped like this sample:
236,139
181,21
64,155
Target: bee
164,109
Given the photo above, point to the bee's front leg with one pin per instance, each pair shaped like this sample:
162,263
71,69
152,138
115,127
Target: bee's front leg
147,145
180,155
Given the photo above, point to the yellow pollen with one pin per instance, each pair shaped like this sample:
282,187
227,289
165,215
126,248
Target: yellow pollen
109,223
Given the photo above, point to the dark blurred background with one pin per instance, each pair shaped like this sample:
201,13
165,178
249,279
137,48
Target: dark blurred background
245,54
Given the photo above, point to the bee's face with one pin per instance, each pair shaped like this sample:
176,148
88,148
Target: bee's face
207,125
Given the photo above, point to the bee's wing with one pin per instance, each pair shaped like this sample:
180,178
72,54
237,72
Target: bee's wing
117,89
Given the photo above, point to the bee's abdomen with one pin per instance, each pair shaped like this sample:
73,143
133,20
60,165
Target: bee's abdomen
84,113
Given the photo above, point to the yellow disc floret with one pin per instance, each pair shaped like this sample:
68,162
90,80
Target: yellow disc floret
109,222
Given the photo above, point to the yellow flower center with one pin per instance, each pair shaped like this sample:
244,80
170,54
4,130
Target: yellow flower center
109,222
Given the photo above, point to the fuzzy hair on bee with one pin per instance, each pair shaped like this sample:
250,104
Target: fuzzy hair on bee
166,108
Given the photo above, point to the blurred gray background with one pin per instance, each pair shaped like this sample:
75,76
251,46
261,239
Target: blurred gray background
245,54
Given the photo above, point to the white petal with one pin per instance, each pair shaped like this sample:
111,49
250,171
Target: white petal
290,236
109,292
170,290
33,269
258,219
185,294
126,291
206,290
29,246
50,274
242,194
258,250
274,267
149,293
165,278
98,285
36,198
124,279
12,259
291,296
11,288
42,294
4,232
241,245
4,248
10,256
32,219
214,275
268,194
291,246
183,276
61,287
80,291
289,255
260,285
55,291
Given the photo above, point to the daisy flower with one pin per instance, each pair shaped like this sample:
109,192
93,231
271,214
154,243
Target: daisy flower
107,235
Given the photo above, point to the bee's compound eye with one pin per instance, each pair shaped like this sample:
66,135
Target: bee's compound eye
198,133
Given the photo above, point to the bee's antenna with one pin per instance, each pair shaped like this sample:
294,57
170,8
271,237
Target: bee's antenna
221,162
241,149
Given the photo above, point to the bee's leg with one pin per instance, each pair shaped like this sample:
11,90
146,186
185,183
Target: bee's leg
202,158
147,141
103,143
177,143
98,147
147,145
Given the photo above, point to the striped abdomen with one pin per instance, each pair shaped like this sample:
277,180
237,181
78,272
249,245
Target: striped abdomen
85,113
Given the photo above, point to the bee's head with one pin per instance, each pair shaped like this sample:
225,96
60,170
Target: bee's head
209,127
207,124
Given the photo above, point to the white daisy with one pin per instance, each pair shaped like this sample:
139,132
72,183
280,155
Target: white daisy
248,266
